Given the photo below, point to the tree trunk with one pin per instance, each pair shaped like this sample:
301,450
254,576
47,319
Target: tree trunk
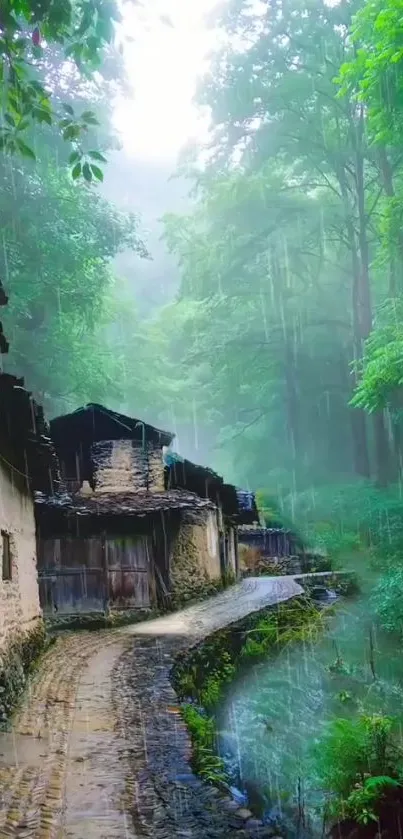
382,453
292,400
358,417
358,424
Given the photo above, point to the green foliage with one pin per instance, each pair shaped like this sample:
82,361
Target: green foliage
375,71
358,761
387,599
351,520
203,673
270,508
56,264
83,30
381,374
202,731
293,246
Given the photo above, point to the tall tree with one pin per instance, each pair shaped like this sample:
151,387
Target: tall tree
57,242
290,226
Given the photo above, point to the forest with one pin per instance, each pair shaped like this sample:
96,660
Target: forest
277,360
279,355
276,350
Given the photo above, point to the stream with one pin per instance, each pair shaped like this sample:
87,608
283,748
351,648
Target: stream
272,718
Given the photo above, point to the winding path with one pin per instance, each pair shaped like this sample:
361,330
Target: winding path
98,750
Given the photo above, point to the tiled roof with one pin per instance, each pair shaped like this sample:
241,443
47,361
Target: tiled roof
93,423
24,435
123,503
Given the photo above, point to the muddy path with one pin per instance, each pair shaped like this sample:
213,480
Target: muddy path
98,750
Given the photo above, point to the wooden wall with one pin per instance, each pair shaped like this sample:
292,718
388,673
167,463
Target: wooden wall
95,573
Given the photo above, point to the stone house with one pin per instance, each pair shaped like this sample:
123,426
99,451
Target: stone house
129,532
27,463
230,509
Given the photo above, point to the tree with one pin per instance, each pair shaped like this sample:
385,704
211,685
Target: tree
82,30
294,208
58,240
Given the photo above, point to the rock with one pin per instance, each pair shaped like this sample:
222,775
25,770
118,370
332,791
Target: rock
243,813
230,805
253,824
239,796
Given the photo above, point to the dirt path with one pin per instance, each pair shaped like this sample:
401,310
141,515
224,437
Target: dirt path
87,754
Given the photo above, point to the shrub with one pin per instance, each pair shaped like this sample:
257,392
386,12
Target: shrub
357,762
387,600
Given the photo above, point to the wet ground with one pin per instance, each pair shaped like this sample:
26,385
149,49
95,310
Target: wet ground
98,750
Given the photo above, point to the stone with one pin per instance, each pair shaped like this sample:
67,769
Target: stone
230,805
253,824
243,813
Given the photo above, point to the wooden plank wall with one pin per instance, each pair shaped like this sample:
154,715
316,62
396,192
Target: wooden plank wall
94,574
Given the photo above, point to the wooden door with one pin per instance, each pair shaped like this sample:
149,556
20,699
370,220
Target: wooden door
128,568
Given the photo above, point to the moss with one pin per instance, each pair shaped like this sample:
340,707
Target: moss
15,665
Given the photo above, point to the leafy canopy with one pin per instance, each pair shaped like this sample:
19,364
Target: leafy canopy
83,29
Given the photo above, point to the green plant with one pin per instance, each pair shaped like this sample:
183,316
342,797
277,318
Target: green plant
202,673
27,29
205,762
362,803
345,696
357,761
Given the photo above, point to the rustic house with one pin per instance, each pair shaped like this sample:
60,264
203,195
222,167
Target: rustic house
27,463
117,537
231,508
130,531
261,546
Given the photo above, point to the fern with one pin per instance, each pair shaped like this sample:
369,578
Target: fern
359,761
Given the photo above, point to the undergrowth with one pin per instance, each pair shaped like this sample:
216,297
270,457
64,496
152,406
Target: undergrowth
359,762
361,526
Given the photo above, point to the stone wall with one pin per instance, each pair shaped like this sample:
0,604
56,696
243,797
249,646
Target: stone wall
155,469
123,466
19,597
195,558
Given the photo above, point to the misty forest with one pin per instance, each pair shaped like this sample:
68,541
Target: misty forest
245,293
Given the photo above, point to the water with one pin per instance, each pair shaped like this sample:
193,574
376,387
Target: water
274,716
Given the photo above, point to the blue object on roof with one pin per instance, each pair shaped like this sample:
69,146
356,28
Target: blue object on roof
246,500
170,458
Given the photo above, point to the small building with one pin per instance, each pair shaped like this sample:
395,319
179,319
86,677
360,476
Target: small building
270,545
129,531
27,463
232,507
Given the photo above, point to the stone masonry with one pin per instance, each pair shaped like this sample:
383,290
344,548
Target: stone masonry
124,466
195,559
19,596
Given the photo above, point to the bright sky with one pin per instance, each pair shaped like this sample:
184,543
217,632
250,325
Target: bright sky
163,65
